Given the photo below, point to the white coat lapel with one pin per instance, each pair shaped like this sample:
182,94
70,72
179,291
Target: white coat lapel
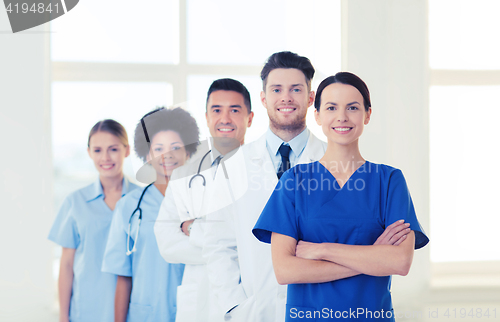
314,150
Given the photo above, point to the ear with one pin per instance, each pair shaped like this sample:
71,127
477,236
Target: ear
316,116
263,99
250,119
206,116
311,98
368,115
148,157
88,151
127,151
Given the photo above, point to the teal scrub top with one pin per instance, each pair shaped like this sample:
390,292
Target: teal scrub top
83,224
154,281
308,204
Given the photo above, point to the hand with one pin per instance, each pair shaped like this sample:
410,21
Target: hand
308,250
185,226
394,234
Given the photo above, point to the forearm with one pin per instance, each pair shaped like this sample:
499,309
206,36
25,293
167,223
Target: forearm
290,269
65,286
294,270
122,297
375,260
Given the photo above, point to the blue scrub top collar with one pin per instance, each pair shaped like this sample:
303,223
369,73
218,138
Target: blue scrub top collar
96,191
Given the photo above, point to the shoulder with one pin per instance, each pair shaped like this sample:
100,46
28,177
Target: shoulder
385,172
303,171
82,194
130,185
315,142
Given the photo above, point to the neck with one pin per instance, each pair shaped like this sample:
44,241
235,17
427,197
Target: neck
286,134
161,183
342,158
225,149
111,184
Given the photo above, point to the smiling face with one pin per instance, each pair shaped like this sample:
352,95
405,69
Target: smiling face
168,153
108,152
342,115
227,115
286,99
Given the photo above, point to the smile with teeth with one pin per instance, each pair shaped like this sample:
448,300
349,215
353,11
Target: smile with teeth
342,129
107,166
286,109
226,130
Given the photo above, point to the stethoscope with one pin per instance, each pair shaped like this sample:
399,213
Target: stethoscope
198,174
137,209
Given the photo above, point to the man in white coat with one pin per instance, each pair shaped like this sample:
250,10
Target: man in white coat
239,266
191,193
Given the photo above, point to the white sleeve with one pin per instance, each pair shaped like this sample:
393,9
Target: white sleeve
173,244
221,254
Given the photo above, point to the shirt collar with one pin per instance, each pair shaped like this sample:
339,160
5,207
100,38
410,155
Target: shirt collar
297,144
96,190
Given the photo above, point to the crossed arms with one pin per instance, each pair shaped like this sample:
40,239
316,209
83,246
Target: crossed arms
305,262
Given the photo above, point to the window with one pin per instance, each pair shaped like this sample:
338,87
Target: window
120,59
465,82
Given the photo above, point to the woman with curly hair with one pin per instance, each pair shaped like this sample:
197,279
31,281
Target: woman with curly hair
147,285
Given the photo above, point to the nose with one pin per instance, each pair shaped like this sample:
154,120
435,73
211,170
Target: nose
286,98
107,156
225,117
342,116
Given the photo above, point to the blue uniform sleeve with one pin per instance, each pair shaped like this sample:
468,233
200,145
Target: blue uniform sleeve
399,205
115,260
64,231
279,214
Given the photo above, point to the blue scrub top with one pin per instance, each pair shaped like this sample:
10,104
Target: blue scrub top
308,204
154,281
83,223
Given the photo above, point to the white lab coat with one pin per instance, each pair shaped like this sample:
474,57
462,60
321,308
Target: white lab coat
181,203
239,266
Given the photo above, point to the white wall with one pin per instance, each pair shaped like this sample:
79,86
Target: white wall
385,43
26,289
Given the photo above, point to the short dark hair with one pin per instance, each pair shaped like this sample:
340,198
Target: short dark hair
347,79
162,119
112,127
287,59
229,84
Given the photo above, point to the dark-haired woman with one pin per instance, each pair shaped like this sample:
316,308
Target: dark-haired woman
324,218
82,226
147,285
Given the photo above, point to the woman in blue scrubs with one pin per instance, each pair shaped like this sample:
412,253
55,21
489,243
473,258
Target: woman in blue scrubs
324,218
82,226
147,285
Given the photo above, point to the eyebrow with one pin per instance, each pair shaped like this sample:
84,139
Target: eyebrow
231,106
293,85
348,104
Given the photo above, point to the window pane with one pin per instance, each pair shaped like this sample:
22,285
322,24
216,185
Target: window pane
232,32
77,106
463,173
463,34
118,31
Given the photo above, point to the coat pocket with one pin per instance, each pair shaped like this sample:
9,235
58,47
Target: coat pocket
187,303
139,313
